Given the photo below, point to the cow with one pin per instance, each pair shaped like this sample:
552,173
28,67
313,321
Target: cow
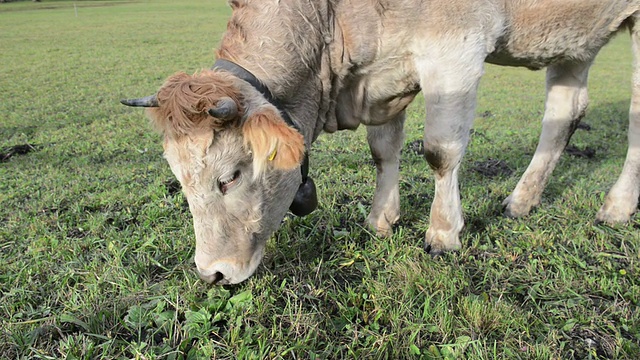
237,136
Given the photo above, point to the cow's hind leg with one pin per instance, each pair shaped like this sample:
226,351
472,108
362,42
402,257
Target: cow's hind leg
565,106
385,142
622,199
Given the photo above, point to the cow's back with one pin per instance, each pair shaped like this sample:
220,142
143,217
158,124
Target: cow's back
540,32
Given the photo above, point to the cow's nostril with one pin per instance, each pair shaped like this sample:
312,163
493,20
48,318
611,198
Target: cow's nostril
217,277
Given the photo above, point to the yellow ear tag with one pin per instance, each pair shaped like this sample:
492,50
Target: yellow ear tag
273,154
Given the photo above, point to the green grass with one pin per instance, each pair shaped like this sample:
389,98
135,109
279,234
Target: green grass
96,242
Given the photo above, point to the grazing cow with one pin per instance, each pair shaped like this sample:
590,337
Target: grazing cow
287,70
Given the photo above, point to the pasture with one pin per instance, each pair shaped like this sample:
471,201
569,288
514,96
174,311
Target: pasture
96,239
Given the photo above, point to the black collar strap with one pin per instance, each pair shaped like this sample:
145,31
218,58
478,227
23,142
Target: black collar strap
306,199
247,76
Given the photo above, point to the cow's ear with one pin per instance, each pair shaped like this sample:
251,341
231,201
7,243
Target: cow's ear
272,141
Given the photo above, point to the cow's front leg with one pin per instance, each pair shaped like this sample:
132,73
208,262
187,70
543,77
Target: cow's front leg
565,105
622,200
385,142
449,84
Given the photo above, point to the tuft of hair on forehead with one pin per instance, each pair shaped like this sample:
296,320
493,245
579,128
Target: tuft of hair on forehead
184,100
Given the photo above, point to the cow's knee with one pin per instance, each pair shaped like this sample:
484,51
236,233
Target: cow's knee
441,158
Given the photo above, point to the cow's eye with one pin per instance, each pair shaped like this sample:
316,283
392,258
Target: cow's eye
228,182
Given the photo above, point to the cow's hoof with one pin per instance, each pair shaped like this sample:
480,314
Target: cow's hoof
382,226
381,231
438,242
513,209
435,253
612,215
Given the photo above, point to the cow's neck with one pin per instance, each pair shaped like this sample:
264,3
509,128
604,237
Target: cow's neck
281,43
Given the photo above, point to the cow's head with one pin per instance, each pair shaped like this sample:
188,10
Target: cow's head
238,164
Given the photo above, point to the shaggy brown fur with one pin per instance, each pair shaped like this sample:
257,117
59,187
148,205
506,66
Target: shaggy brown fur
184,100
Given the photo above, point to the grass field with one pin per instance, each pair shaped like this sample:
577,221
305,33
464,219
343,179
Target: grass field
96,240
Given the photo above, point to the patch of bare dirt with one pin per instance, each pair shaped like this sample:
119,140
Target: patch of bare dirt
22,149
416,147
491,167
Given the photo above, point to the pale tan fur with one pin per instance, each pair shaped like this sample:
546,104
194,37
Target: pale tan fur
541,32
199,163
341,63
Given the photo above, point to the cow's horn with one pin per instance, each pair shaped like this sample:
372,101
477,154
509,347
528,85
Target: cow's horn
147,101
226,109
